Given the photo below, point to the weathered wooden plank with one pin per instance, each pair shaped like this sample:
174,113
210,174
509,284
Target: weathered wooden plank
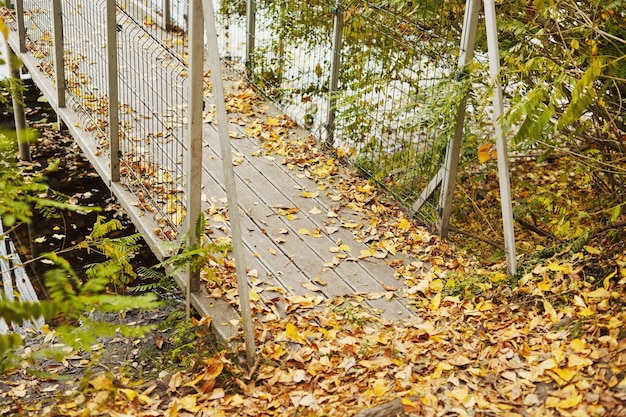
259,193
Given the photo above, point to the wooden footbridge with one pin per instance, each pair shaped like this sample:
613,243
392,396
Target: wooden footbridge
104,64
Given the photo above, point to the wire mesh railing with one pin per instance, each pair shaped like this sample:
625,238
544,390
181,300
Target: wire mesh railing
150,47
152,101
393,103
37,16
378,81
85,63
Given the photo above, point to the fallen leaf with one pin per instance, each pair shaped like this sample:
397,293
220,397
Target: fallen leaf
310,286
291,331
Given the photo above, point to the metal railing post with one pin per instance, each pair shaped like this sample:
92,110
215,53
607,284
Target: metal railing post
501,143
59,61
167,14
17,99
113,95
334,74
21,28
468,41
250,32
194,134
229,181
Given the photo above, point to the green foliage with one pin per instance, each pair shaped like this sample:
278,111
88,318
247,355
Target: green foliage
80,308
564,67
118,251
428,123
201,256
87,304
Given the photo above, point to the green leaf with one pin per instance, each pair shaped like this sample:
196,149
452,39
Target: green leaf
616,212
582,95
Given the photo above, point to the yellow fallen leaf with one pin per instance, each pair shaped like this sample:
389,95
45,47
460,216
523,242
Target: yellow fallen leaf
463,396
555,267
483,153
132,394
436,285
303,231
435,302
310,286
218,218
586,312
592,250
598,293
190,404
101,382
577,345
570,402
214,366
319,280
308,194
380,387
196,379
544,285
563,375
389,246
291,331
606,283
484,306
550,311
441,366
409,406
614,323
574,360
404,224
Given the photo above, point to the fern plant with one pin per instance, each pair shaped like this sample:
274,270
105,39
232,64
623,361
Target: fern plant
202,256
118,252
74,305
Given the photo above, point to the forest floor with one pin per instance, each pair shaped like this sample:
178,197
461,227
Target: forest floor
550,341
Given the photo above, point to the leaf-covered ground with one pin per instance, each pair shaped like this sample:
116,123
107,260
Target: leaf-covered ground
551,342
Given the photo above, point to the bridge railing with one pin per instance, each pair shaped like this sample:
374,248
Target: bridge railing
377,82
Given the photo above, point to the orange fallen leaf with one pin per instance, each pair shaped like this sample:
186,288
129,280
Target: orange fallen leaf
483,153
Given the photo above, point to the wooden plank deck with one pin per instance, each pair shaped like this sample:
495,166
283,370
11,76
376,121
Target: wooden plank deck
283,260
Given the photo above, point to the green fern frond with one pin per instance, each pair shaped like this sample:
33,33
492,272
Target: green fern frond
150,273
200,226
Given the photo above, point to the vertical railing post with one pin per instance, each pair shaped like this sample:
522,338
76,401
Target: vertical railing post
468,41
501,144
21,28
250,32
113,95
167,14
334,74
194,135
229,181
18,104
59,61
